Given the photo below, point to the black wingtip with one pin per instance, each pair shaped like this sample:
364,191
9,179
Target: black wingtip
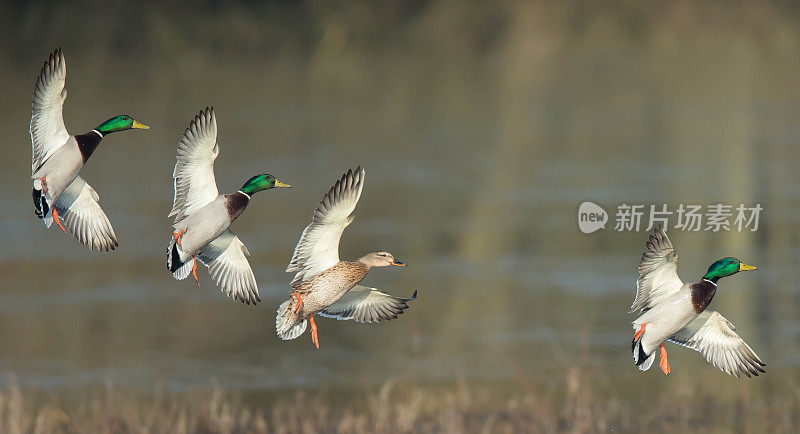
413,297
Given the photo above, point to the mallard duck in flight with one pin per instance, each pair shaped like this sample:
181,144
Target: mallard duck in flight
59,194
327,286
203,216
677,312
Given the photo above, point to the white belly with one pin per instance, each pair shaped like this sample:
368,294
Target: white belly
666,318
202,227
60,169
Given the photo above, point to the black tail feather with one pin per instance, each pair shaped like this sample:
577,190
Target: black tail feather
637,346
176,262
40,203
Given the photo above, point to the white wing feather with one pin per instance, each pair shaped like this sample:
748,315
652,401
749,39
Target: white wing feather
79,208
658,272
195,185
226,259
47,128
318,248
367,305
714,337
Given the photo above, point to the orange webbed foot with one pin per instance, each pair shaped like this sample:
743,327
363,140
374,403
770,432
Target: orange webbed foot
194,271
299,299
177,236
314,336
58,219
638,334
663,362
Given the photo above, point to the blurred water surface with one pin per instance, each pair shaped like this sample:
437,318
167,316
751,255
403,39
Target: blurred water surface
481,131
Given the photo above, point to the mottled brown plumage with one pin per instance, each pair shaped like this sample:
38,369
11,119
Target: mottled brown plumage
324,284
325,288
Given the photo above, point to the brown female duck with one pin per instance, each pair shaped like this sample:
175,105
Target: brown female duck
327,286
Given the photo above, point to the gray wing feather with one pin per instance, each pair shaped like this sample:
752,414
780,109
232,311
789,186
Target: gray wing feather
78,206
658,272
318,248
367,305
714,337
194,182
47,128
226,259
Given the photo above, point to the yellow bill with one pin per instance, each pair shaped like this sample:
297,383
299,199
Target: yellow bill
745,267
139,126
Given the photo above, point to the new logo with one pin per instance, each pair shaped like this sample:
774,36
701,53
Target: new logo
591,217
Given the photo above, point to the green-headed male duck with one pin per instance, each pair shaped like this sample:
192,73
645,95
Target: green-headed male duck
327,286
677,312
203,216
59,194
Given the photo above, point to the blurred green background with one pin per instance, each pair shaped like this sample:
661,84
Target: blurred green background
482,126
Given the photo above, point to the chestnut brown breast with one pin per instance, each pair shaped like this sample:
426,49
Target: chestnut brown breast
702,294
235,204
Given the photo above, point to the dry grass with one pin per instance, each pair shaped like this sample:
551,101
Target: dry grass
574,402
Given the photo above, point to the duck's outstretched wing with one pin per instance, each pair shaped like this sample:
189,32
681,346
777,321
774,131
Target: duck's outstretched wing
79,208
714,337
226,259
367,305
318,248
658,272
195,185
47,128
